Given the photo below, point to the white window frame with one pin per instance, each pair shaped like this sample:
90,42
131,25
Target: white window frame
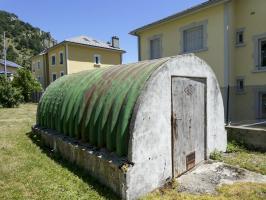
99,59
155,37
257,53
238,32
53,55
238,89
53,77
61,53
62,72
182,30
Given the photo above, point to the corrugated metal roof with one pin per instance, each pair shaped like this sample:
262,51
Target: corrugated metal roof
9,63
96,106
179,14
85,40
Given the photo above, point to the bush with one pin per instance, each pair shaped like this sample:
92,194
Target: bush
9,96
234,146
11,54
26,83
216,155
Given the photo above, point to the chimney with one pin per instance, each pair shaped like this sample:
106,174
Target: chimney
115,42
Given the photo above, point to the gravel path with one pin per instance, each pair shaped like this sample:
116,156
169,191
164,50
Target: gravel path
206,177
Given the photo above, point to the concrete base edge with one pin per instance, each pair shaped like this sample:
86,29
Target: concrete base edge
104,166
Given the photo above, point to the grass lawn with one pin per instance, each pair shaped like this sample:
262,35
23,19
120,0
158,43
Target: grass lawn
238,155
239,191
253,161
30,172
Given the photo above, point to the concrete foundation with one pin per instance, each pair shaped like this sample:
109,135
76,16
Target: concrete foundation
109,169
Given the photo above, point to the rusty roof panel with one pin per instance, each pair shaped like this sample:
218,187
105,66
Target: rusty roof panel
95,106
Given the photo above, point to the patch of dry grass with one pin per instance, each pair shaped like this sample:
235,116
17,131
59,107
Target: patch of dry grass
253,161
237,191
238,155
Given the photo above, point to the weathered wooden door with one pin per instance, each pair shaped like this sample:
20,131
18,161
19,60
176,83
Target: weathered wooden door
188,123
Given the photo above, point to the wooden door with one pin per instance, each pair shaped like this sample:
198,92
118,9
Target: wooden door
188,123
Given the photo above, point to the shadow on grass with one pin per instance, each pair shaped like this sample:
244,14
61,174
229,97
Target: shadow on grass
81,173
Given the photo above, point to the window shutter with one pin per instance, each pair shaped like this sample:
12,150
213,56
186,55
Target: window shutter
193,39
155,49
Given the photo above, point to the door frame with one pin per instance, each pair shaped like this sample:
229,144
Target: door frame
204,79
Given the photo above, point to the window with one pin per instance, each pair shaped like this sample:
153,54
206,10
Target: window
155,48
62,73
97,59
262,53
53,60
61,57
262,105
39,78
240,37
259,52
39,64
54,77
240,85
193,39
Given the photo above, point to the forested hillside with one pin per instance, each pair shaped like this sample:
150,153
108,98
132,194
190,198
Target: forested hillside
23,40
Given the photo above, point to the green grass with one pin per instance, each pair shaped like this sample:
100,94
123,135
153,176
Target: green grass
238,155
238,191
30,172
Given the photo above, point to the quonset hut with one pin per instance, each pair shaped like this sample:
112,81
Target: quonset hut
135,126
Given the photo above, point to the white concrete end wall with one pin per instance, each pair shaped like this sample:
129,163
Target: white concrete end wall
150,142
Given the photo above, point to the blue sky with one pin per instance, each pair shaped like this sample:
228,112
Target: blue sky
99,19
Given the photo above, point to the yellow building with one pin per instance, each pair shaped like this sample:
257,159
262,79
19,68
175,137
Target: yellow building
230,35
11,67
75,55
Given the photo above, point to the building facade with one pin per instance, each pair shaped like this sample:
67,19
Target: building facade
230,35
11,67
74,55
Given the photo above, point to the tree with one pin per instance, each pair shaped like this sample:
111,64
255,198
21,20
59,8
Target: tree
26,83
11,54
9,96
25,39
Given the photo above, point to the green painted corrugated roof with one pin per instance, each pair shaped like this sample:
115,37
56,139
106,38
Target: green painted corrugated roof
96,106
